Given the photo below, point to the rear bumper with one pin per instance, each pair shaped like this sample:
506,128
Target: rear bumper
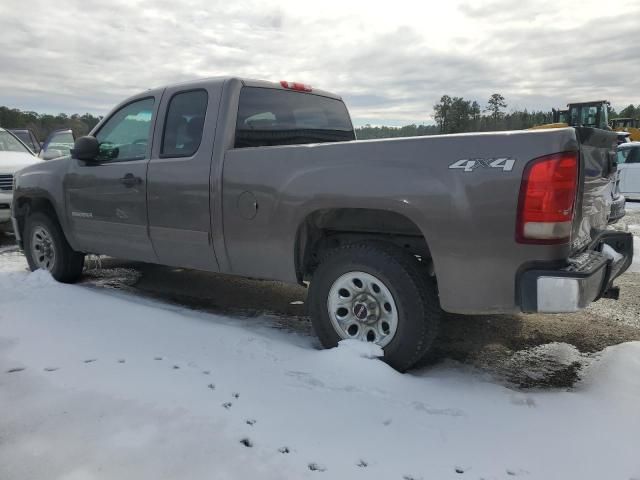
584,278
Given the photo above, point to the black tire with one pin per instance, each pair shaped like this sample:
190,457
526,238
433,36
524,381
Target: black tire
413,291
68,263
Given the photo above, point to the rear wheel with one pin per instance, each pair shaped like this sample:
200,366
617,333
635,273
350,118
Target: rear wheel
47,248
379,293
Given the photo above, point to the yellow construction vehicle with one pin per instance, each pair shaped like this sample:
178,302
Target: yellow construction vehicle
629,125
589,114
582,114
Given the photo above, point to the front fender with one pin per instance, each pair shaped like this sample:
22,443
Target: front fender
43,184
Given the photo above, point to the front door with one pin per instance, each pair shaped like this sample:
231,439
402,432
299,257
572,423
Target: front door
107,199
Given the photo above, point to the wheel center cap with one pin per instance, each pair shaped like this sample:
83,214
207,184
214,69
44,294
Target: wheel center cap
360,311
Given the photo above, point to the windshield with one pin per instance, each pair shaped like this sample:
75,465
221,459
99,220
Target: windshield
22,135
9,143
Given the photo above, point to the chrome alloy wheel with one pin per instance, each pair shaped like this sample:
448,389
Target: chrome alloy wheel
42,250
362,307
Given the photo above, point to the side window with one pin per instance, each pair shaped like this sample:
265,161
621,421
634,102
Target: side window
634,155
184,123
125,135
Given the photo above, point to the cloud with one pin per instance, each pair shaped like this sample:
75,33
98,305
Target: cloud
391,62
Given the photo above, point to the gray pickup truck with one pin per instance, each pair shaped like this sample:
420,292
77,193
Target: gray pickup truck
267,180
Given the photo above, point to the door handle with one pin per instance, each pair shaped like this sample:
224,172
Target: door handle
130,180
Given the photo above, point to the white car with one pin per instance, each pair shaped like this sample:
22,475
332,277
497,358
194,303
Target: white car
629,168
14,156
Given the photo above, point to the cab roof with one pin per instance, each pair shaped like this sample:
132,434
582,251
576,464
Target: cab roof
249,82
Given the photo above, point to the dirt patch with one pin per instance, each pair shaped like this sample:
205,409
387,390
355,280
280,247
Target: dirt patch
535,350
96,274
556,365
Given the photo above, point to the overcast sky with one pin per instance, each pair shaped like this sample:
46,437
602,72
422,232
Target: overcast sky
391,60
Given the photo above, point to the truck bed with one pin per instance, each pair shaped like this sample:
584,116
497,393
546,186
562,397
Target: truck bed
467,216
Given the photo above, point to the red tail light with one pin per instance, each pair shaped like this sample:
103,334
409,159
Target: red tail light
301,87
547,199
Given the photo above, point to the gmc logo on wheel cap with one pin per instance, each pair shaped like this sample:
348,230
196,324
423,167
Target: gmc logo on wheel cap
360,311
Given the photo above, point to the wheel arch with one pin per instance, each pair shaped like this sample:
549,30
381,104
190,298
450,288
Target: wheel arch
327,228
28,204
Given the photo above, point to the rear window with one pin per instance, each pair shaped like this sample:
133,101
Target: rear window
268,117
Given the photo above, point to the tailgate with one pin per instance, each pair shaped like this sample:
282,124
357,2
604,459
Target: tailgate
597,170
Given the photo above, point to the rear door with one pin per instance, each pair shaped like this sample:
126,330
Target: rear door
179,176
107,200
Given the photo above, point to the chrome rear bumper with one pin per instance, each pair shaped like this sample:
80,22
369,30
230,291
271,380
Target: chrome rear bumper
584,278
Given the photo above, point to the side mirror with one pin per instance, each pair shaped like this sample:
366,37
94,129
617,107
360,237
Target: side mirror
85,148
52,153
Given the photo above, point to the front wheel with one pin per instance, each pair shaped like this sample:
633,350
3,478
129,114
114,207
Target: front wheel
379,293
47,248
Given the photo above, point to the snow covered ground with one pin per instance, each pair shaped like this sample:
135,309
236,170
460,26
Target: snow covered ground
632,206
98,384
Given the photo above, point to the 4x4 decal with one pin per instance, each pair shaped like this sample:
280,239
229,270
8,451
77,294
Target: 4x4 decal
471,164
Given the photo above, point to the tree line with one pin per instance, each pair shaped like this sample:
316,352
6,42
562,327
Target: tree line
452,115
43,124
628,112
458,115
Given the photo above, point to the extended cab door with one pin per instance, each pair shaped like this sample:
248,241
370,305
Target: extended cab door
107,199
179,176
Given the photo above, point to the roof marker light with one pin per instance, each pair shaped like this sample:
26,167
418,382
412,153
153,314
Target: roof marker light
300,87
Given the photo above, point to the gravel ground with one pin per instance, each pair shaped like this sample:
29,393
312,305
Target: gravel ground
525,351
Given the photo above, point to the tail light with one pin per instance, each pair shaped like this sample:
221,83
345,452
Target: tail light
547,199
301,87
